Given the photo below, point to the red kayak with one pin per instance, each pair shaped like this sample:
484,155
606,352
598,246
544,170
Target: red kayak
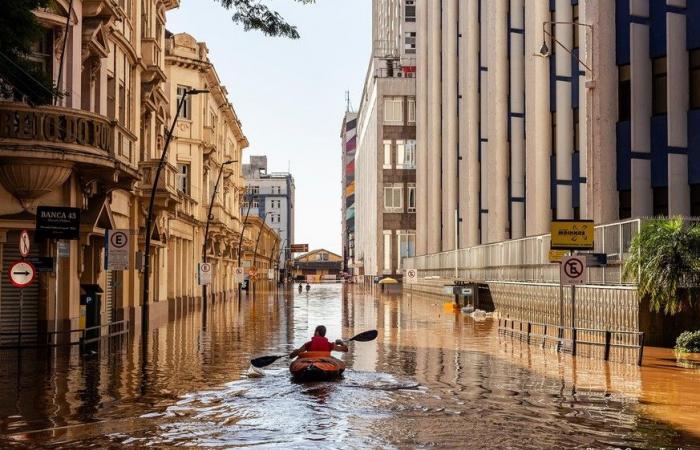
316,366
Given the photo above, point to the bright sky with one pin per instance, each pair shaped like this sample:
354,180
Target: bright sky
290,94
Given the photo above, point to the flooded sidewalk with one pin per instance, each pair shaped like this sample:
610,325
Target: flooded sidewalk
431,379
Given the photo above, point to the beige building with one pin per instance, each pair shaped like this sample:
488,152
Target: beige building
208,134
97,150
260,252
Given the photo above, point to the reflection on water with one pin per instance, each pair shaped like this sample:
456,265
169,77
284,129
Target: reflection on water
431,379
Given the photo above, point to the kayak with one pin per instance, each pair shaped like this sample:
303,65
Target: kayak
316,366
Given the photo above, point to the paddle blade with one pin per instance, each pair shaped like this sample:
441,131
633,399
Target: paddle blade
366,336
264,361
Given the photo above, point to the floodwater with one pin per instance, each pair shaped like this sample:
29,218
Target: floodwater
431,379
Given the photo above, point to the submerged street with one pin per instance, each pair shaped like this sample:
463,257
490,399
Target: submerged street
432,378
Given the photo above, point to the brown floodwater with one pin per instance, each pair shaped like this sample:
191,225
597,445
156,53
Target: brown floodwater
431,379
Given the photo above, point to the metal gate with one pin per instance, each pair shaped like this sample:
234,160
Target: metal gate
10,299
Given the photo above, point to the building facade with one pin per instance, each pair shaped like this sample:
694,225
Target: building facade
96,150
348,145
385,190
208,147
522,120
317,266
271,196
260,252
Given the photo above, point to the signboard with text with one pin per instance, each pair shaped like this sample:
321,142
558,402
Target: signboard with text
117,249
57,222
299,248
204,274
572,235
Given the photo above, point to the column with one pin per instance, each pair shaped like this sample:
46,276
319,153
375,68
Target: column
565,119
498,160
434,127
484,53
538,125
422,128
640,73
449,122
678,102
517,119
469,168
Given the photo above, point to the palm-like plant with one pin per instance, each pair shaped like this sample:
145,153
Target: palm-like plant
665,258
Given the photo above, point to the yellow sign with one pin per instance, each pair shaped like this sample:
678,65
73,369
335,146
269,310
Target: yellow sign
556,256
572,235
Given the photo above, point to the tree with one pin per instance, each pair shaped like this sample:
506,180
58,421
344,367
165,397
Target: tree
254,15
665,256
19,31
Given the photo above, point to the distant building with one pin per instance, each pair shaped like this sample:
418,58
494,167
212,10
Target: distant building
260,249
348,139
317,265
385,160
271,197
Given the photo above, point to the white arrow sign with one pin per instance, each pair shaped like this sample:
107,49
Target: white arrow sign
22,274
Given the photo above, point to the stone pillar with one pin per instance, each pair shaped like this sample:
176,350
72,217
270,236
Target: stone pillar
538,124
517,119
434,127
564,114
422,128
484,61
498,162
449,123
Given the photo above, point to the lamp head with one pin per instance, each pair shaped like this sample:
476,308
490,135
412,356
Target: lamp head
544,50
230,161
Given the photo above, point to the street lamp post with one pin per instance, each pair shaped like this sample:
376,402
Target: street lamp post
206,228
151,203
257,241
240,239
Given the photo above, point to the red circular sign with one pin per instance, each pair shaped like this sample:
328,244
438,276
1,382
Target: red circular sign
22,273
24,243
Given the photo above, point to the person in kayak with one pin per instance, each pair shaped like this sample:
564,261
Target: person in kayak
319,343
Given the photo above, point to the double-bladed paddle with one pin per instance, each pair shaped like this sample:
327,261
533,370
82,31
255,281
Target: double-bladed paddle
264,361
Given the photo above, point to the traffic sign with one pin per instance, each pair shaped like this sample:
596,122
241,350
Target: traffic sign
412,276
572,234
117,249
22,274
240,274
555,256
252,272
24,244
573,269
299,248
63,249
204,274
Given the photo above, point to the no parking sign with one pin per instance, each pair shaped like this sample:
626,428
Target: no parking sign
117,249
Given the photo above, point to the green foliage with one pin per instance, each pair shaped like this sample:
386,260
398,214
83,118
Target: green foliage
19,30
688,341
254,15
665,255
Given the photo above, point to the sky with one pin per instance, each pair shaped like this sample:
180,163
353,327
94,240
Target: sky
290,94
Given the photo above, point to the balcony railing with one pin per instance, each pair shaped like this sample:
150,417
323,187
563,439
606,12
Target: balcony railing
167,180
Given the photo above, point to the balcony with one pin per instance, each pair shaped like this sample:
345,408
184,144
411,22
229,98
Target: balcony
152,55
167,196
41,146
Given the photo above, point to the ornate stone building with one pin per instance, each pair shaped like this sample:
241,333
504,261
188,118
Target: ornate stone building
96,149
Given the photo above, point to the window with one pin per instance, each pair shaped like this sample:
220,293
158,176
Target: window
253,190
323,257
659,94
694,79
185,111
393,110
412,110
183,178
410,42
387,251
393,198
624,97
111,97
406,154
42,50
387,154
410,10
411,198
276,190
122,104
406,246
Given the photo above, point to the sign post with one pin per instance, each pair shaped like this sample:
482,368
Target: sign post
204,274
117,249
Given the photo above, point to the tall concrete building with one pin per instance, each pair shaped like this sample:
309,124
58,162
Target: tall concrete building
271,197
522,120
385,158
348,143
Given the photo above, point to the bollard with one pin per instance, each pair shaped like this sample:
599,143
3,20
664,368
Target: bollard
608,338
573,341
529,330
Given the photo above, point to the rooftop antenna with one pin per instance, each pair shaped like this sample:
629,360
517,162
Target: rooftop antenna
348,105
